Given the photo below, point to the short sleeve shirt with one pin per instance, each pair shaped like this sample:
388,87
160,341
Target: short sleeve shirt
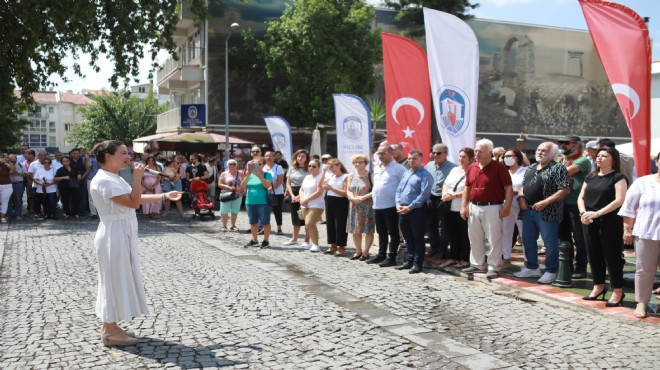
487,184
256,193
577,179
541,184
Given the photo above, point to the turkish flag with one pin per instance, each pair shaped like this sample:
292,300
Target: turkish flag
407,94
622,42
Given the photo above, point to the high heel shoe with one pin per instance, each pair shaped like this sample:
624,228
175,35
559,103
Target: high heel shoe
616,304
602,293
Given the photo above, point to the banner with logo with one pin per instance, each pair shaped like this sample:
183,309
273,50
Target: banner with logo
353,128
280,133
453,54
622,42
193,115
407,98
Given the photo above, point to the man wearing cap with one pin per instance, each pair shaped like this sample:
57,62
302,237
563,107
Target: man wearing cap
570,228
590,151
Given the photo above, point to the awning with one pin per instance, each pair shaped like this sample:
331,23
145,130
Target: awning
201,138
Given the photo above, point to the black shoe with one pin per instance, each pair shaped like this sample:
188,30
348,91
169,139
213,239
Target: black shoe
388,262
252,243
595,298
579,275
415,270
375,259
406,266
265,244
616,304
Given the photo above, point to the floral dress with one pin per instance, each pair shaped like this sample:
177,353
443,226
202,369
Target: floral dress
361,217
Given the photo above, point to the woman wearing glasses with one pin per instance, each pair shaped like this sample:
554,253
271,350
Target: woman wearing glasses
312,203
230,181
257,182
361,216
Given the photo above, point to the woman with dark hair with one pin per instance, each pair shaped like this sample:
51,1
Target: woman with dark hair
513,159
457,227
641,224
336,206
256,183
121,289
68,183
296,175
174,174
277,188
603,193
151,185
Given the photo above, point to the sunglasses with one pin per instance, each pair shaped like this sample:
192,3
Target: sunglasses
312,166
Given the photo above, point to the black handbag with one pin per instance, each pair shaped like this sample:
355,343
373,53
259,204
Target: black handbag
227,196
273,200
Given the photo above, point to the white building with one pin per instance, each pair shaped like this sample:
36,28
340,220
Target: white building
142,91
51,121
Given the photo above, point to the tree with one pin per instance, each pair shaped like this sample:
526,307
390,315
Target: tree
12,126
38,34
317,48
412,10
116,116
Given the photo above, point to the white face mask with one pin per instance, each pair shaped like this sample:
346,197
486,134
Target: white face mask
509,161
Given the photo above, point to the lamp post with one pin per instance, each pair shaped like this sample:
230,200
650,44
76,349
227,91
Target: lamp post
233,28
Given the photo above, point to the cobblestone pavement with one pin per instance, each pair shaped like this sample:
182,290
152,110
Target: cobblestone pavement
215,304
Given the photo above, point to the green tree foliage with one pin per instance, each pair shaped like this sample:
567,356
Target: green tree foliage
116,116
11,126
38,34
317,48
412,10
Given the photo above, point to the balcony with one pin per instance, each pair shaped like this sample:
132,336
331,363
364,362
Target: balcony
169,121
181,74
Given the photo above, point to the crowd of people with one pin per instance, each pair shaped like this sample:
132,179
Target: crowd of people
571,192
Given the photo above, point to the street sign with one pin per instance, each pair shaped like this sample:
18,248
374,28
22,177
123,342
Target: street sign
193,115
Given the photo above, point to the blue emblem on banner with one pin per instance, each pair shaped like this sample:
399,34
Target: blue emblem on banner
454,110
193,115
352,128
279,141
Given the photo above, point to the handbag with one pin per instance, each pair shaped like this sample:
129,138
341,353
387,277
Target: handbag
301,214
227,196
273,200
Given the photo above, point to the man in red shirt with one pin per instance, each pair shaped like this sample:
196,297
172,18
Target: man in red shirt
488,191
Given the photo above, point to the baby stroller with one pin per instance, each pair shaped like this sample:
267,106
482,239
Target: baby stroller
199,192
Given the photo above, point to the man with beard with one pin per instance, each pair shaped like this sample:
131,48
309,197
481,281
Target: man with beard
570,228
544,186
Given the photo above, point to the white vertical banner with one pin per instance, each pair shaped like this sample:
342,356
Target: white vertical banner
353,128
280,133
453,55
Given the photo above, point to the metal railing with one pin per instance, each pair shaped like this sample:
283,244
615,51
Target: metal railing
187,56
169,120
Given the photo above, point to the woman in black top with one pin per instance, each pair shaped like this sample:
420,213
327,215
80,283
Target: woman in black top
68,184
601,197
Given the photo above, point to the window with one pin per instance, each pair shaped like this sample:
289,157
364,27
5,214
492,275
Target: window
142,89
51,126
39,125
67,111
37,141
68,126
52,141
51,109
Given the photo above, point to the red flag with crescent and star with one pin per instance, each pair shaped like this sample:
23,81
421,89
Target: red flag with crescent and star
622,42
407,94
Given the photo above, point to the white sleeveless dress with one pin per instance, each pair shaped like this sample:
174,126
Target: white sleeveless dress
121,288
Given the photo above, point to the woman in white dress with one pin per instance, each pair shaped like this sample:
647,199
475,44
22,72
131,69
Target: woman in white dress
121,289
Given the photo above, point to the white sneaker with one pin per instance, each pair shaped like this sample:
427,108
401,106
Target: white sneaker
527,273
290,242
315,248
305,245
547,278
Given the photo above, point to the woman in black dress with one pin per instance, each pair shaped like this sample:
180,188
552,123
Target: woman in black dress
601,197
68,182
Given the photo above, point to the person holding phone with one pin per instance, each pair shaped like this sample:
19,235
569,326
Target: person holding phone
257,182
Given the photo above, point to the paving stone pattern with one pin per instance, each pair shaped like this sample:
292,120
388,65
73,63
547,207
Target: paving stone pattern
214,304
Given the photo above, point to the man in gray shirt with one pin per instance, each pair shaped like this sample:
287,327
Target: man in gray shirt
439,167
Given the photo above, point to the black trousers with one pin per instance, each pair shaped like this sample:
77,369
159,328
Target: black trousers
336,216
571,230
457,229
437,227
277,209
387,227
70,201
295,220
604,239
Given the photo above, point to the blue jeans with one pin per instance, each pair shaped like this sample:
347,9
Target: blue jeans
533,224
258,214
16,204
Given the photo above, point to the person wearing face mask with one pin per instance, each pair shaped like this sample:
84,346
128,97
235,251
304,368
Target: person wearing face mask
570,228
513,160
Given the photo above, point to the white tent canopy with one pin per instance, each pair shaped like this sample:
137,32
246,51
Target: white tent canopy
627,148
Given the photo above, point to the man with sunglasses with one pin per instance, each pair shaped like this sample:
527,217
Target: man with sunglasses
439,167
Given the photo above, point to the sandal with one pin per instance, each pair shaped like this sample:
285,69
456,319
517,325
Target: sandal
642,311
447,263
233,228
365,257
225,229
356,257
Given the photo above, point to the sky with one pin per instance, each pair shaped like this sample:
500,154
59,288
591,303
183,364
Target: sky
555,13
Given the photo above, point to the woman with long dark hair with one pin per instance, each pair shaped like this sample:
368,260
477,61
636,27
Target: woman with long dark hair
68,183
336,206
294,180
121,294
603,193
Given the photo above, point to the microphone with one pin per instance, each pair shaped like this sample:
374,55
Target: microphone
155,172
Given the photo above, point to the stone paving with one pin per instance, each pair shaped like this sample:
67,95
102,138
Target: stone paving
214,303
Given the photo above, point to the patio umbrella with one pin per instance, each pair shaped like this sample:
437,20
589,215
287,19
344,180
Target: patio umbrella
316,143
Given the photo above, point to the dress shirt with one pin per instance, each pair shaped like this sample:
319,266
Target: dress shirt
439,173
414,189
386,181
